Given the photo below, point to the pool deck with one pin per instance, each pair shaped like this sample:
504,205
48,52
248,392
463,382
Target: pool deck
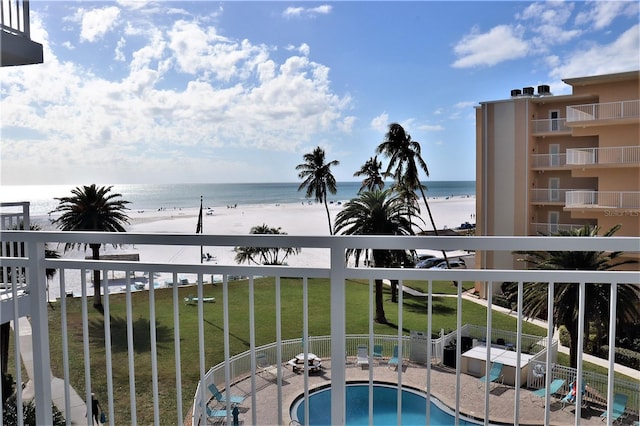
443,387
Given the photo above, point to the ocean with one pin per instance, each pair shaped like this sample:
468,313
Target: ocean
155,196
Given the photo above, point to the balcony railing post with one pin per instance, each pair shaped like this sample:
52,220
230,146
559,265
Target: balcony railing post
338,333
40,331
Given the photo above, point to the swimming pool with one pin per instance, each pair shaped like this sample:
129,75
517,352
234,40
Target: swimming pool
385,401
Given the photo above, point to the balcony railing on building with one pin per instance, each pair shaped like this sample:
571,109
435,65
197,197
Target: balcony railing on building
15,35
549,195
619,155
337,274
543,161
622,110
550,126
549,228
604,199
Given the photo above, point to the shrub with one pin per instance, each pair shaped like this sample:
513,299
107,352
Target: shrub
10,413
623,356
563,336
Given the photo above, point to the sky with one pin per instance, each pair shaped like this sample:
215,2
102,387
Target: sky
216,92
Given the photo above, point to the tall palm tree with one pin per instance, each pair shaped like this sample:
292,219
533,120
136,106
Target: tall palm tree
317,178
376,213
264,255
566,294
92,208
405,163
371,171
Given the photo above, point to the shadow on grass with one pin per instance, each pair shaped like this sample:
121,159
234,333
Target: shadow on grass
419,305
141,333
240,339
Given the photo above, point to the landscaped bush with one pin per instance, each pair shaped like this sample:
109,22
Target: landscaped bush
626,357
10,413
563,336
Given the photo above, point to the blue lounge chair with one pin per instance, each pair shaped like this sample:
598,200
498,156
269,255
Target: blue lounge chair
495,374
394,358
619,407
554,387
222,398
215,414
377,352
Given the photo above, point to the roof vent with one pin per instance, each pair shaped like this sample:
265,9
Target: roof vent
515,93
544,90
527,91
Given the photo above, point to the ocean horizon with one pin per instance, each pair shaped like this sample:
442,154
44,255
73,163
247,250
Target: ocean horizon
42,198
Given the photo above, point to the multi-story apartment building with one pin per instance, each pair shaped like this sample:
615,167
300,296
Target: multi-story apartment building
546,163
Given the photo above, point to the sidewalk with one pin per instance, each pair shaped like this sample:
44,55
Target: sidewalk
78,407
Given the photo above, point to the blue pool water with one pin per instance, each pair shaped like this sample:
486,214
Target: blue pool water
385,401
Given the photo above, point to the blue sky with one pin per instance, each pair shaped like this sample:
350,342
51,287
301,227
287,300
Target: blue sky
155,92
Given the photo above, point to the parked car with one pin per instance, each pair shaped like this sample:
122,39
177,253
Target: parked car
453,264
428,263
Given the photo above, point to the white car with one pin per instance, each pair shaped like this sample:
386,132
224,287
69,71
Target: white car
453,263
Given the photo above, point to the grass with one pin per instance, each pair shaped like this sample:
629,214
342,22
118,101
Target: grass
357,302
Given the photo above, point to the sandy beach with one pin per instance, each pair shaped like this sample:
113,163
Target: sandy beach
294,219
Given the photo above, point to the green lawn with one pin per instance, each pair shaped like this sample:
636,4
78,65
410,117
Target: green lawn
356,293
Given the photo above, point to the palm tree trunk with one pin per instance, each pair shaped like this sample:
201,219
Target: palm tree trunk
380,317
394,291
97,299
326,207
433,224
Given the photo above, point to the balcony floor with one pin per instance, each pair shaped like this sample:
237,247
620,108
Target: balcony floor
501,398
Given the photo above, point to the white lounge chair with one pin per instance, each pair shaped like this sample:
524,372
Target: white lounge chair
363,356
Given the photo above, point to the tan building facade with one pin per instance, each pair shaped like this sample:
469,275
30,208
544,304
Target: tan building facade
546,163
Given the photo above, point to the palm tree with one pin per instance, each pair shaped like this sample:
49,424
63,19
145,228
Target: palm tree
566,294
317,178
371,171
376,213
92,208
264,255
406,162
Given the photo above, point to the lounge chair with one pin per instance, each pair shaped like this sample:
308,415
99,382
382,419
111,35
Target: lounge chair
554,387
216,414
223,398
495,374
619,407
377,352
394,361
264,367
363,356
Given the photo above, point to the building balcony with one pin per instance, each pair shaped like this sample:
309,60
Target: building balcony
550,127
603,200
540,228
549,196
548,161
620,156
224,337
603,113
15,35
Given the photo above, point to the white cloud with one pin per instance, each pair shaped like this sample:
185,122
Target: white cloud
603,13
620,55
501,43
380,123
294,12
97,22
431,127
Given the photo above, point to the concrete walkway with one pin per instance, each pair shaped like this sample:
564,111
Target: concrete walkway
77,405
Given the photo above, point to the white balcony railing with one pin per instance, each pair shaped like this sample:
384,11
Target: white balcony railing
551,125
548,160
610,156
14,17
549,195
336,274
542,228
604,199
603,111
